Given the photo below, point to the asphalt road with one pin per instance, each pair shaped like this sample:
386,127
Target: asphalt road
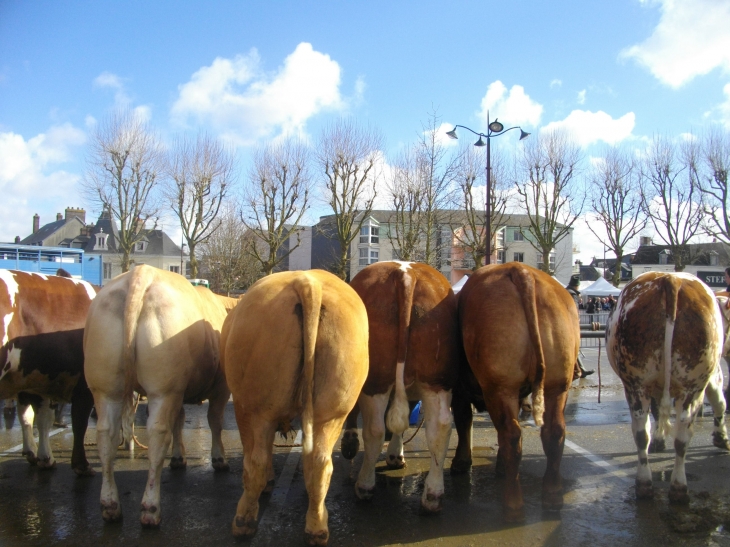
57,508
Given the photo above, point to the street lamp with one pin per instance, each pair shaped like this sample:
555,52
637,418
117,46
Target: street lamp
494,129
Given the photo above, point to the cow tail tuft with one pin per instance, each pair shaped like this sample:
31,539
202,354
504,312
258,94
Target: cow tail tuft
671,291
310,296
397,417
525,283
140,280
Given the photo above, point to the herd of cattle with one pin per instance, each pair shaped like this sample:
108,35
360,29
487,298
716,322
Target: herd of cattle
308,345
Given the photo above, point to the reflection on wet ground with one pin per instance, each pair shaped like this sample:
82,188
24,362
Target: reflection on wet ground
57,508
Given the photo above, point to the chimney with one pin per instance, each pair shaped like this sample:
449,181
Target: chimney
644,240
36,223
76,212
59,216
17,239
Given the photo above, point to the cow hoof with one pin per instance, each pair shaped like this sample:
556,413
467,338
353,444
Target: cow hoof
431,504
552,501
460,467
395,462
678,494
350,445
244,529
31,458
220,465
111,512
644,490
178,462
720,441
657,445
269,486
84,471
150,517
316,538
46,463
364,493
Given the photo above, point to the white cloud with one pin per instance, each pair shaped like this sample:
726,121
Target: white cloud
589,127
556,83
514,107
582,96
690,40
122,100
243,103
442,138
29,179
107,79
724,107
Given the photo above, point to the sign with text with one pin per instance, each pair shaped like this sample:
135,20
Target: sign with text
713,279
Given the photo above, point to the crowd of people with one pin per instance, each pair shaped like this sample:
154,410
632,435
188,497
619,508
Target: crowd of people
598,304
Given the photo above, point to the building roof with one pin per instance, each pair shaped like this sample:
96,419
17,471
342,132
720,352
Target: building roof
445,216
699,254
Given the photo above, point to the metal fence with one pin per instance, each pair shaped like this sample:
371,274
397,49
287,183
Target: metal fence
590,338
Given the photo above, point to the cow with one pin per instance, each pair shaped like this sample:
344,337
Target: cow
296,344
664,341
41,353
151,331
415,350
521,334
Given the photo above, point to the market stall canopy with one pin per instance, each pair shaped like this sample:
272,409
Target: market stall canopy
601,288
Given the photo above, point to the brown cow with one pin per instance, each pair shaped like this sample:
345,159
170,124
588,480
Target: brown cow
664,340
152,332
521,333
41,332
296,344
415,351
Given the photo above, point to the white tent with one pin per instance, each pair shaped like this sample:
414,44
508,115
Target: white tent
459,284
601,288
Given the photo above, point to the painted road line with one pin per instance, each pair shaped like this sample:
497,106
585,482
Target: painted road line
18,448
603,464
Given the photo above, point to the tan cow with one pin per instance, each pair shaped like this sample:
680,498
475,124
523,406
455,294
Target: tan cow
415,351
296,344
150,331
664,341
520,331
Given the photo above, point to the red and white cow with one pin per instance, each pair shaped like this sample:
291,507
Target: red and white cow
296,345
415,350
664,341
151,331
521,334
41,353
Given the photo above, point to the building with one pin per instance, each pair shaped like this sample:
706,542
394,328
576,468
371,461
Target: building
100,240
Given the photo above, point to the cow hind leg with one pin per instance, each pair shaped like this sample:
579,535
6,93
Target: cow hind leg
163,412
437,411
178,460
717,401
216,408
504,413
685,418
81,405
108,435
658,443
26,414
350,444
394,457
640,406
317,476
373,433
552,435
44,421
463,418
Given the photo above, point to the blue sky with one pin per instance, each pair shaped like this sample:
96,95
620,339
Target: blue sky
611,72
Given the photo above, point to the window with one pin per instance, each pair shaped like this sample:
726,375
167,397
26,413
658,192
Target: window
175,269
551,259
107,270
140,246
501,255
663,256
369,235
518,257
368,256
518,236
500,238
101,239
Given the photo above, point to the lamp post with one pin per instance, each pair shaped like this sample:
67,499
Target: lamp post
182,250
494,129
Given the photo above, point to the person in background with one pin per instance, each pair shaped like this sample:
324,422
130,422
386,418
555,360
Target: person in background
572,288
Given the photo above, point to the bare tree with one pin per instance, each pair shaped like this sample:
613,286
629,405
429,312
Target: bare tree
123,165
348,157
549,190
276,198
468,228
714,183
672,198
407,198
615,197
225,257
199,177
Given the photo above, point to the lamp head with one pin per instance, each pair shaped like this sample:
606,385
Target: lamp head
452,134
480,142
496,127
523,134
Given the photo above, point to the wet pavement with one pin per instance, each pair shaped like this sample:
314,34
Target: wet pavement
55,507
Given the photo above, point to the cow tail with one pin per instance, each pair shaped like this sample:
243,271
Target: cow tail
525,283
139,282
671,291
310,296
397,418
